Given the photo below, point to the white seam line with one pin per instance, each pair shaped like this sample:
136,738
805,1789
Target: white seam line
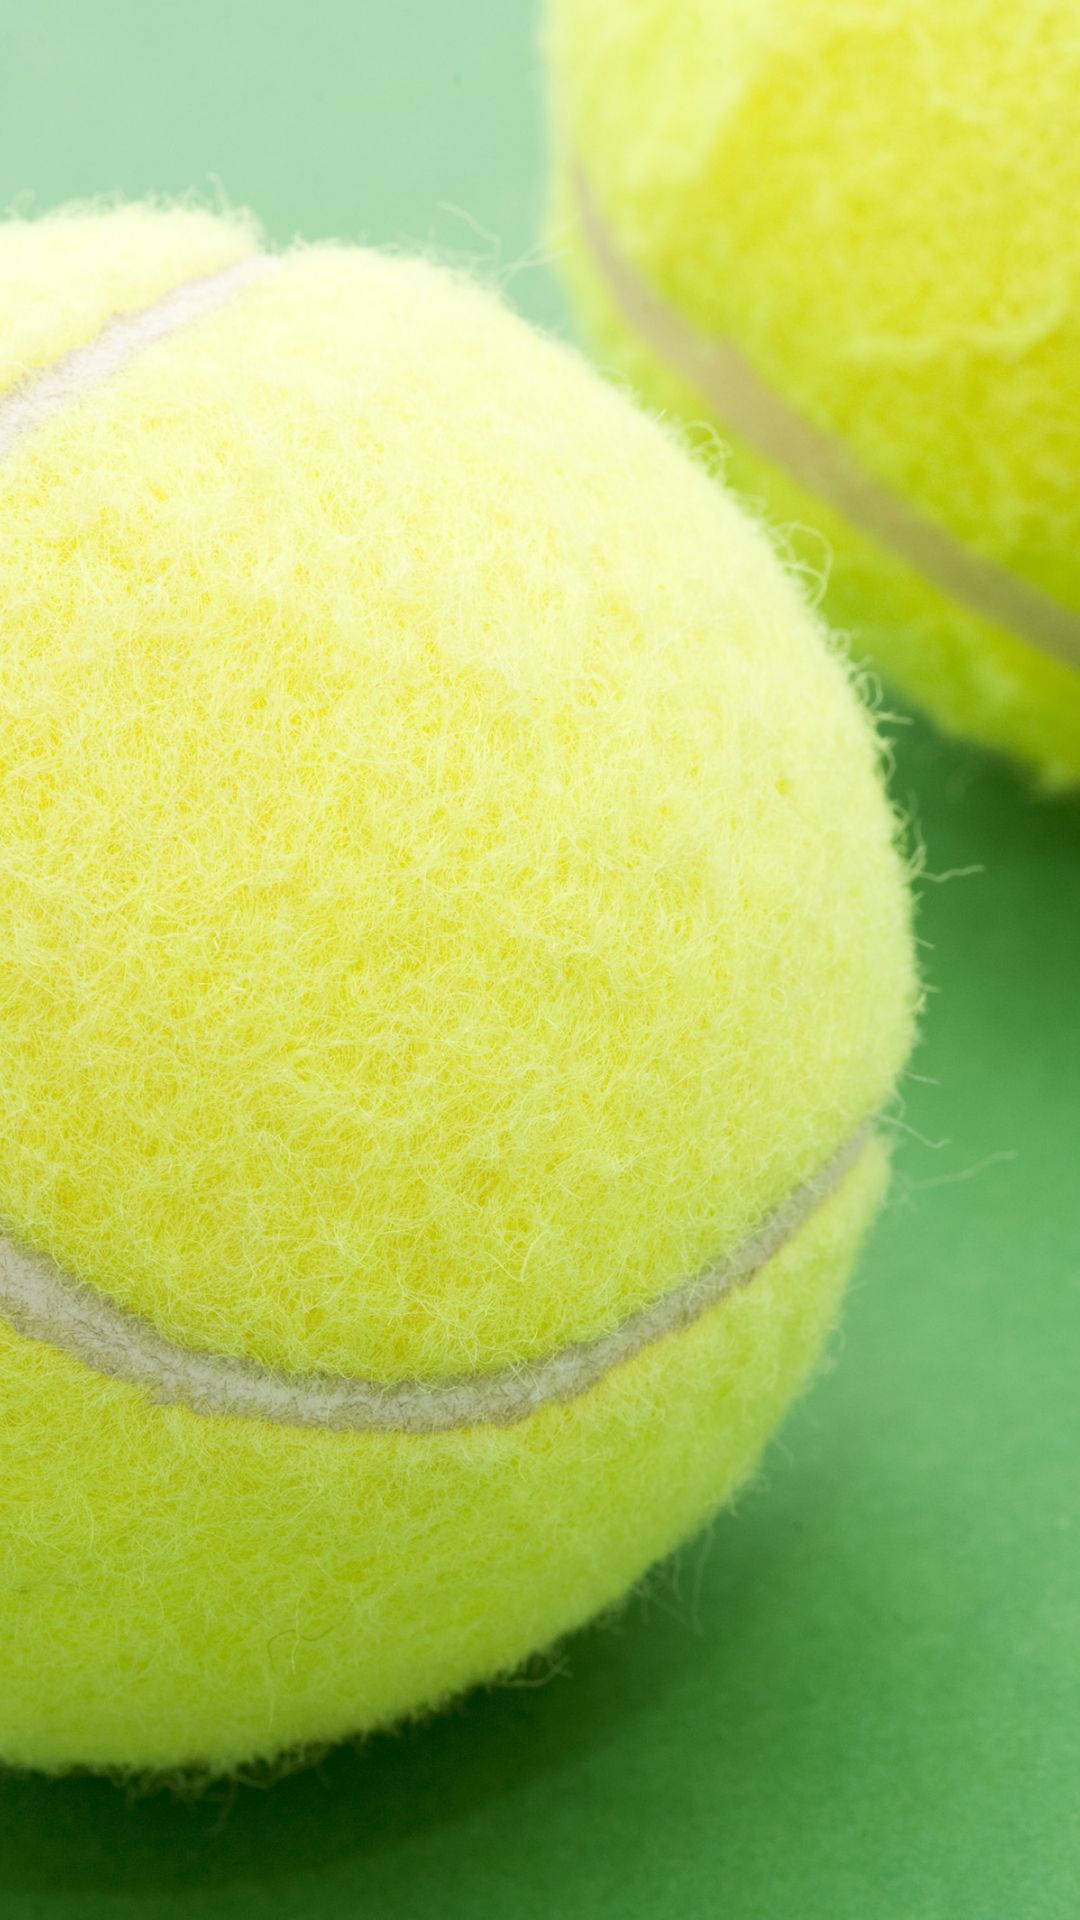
52,389
42,1304
746,406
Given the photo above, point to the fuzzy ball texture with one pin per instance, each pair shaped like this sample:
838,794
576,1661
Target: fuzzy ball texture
447,898
875,202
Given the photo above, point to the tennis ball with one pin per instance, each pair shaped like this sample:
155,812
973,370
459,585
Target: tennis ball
453,949
843,232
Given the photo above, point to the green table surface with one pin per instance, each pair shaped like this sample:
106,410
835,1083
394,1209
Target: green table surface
860,1694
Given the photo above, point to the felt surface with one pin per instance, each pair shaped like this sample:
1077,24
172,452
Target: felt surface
874,207
227,1589
860,1697
453,901
442,846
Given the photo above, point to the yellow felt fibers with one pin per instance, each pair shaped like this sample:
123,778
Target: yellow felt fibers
447,897
875,200
211,1590
448,888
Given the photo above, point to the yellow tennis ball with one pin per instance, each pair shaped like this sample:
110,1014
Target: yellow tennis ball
453,950
844,232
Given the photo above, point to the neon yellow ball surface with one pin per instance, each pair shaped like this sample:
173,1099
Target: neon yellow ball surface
454,953
843,234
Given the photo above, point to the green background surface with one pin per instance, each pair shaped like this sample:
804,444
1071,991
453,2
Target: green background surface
860,1695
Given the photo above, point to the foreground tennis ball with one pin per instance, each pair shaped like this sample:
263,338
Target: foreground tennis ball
452,954
845,232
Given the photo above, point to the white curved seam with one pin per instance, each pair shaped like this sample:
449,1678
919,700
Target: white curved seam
42,1304
68,380
750,409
